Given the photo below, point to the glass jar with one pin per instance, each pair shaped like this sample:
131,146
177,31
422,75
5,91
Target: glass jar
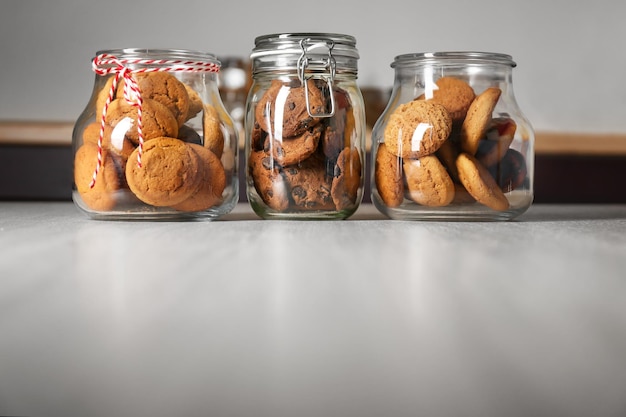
305,127
452,143
154,141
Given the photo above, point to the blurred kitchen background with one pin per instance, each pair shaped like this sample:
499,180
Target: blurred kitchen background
570,79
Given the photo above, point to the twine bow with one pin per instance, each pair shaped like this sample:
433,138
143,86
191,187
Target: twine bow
106,64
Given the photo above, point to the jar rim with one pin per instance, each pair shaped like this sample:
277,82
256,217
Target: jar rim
474,57
162,53
289,43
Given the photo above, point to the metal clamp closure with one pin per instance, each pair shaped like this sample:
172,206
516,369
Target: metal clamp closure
327,63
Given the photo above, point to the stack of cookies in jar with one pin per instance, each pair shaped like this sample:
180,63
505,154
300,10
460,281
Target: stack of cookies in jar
303,154
179,166
447,149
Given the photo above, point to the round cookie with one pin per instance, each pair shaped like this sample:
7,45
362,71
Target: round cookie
102,196
497,140
189,134
212,130
388,177
212,183
478,119
479,183
417,128
511,172
102,96
309,186
290,151
340,127
157,120
347,180
195,102
169,172
428,182
447,154
268,181
166,89
455,95
287,105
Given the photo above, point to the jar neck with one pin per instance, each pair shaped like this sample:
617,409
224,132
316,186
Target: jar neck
176,59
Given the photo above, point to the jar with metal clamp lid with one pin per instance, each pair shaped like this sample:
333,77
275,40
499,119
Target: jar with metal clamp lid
305,127
452,144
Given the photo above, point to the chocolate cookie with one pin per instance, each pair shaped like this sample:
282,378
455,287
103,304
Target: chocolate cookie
417,128
339,128
310,187
428,182
510,173
388,176
169,172
282,110
289,151
347,180
497,140
268,181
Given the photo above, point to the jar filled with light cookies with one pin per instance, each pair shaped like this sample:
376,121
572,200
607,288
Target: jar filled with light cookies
452,144
305,127
155,141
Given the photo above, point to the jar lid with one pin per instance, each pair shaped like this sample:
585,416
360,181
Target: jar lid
285,43
453,58
286,50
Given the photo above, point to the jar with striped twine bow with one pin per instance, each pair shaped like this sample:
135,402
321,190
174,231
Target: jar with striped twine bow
155,140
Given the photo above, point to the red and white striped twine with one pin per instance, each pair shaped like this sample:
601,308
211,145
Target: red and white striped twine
106,64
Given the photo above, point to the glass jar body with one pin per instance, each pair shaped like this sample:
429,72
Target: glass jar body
155,141
452,143
305,147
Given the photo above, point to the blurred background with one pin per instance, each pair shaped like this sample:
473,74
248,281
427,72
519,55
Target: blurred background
571,55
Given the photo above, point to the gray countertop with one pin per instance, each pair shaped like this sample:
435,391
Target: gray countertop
244,317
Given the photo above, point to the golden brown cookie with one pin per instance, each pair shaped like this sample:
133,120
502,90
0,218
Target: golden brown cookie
112,139
169,173
497,140
347,180
478,119
388,176
428,182
164,88
447,154
195,102
417,128
479,183
455,95
212,130
290,151
102,96
268,181
212,185
286,107
102,196
157,120
309,186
